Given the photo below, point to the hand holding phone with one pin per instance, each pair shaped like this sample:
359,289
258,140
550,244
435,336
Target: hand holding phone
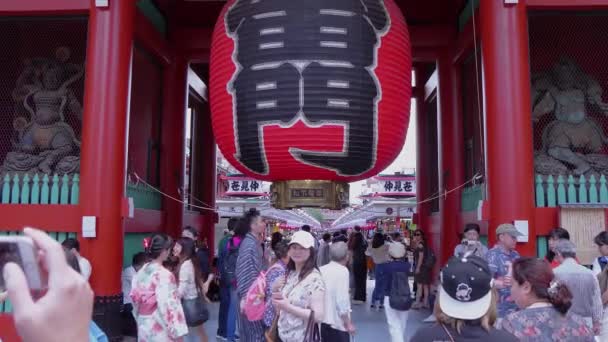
64,312
21,251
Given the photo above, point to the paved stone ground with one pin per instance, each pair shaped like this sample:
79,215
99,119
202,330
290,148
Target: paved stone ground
371,324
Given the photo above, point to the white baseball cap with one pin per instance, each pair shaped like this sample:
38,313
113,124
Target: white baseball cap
303,238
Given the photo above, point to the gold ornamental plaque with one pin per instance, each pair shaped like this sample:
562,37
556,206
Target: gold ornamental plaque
309,193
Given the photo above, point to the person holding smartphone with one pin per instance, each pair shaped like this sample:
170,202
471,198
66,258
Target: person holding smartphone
64,312
471,245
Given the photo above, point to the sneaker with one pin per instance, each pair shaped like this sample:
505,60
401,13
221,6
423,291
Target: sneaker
220,338
430,319
381,307
372,306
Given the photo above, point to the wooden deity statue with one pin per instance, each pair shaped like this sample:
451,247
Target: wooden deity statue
573,142
45,141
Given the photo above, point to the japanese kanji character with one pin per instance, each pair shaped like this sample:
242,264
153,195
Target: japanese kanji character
398,187
254,185
408,187
245,186
234,185
324,76
388,186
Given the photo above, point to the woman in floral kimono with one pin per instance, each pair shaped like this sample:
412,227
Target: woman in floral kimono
156,305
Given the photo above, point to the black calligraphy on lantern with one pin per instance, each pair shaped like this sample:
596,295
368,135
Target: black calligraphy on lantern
307,60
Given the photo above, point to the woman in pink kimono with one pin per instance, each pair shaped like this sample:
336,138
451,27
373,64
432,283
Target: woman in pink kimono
156,305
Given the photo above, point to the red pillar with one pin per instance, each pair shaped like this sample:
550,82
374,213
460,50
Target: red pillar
451,172
208,178
103,152
509,150
422,209
173,142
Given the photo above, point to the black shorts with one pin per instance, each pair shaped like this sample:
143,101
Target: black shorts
333,335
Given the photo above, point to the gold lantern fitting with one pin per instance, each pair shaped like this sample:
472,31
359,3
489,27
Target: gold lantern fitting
309,193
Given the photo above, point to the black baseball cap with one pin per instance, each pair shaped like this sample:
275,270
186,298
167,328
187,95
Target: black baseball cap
466,288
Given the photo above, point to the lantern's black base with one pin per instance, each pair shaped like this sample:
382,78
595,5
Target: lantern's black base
106,313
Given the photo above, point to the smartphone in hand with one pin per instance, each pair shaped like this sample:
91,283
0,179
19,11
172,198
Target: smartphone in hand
21,251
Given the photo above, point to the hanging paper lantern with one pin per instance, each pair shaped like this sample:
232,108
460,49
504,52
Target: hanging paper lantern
310,89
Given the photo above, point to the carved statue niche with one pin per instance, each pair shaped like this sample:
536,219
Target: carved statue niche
573,141
45,141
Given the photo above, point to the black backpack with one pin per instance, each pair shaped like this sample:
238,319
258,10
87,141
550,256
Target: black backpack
400,297
228,274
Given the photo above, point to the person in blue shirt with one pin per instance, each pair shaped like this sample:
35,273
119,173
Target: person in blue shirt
226,316
500,259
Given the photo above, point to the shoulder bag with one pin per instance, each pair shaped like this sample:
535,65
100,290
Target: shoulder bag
312,333
195,309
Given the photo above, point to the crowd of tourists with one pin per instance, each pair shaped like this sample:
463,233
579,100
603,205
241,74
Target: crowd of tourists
301,288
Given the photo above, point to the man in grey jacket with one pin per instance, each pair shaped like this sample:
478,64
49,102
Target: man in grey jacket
585,289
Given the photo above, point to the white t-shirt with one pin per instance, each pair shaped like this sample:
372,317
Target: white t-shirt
127,278
85,267
337,299
187,281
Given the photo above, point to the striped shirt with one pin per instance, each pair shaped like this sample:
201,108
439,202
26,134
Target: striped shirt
249,264
585,289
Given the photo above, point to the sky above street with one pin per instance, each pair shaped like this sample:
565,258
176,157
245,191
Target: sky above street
405,162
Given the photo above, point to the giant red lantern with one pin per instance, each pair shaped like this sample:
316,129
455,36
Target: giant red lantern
310,90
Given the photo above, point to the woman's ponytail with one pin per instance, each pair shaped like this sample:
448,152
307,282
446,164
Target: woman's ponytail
560,297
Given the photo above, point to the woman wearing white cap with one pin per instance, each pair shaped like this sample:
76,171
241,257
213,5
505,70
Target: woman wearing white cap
302,296
466,307
397,268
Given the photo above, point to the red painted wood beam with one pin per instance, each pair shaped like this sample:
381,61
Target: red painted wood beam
545,219
104,138
52,218
465,44
146,221
451,153
425,54
173,143
193,219
43,7
566,4
422,168
207,173
431,36
193,43
510,169
149,38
